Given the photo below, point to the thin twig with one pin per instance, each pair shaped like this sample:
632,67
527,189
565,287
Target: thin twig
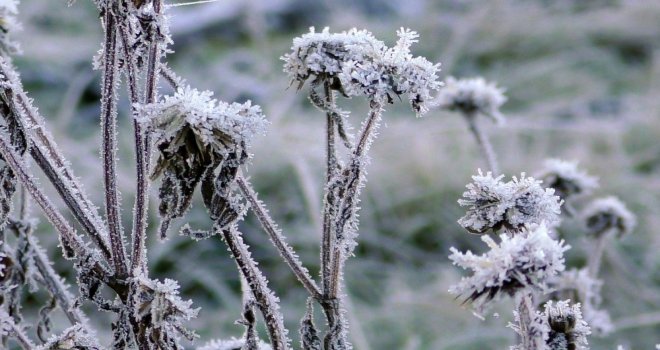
109,143
263,296
484,143
16,331
275,235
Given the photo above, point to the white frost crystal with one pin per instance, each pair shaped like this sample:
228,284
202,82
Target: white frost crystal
357,64
470,96
525,260
609,213
566,178
567,328
494,204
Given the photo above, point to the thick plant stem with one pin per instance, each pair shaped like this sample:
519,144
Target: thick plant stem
140,208
483,142
48,157
263,296
109,144
331,169
275,235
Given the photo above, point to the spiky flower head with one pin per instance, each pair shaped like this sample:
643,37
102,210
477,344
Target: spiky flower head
471,96
159,305
566,178
526,260
195,135
568,331
494,204
74,337
608,214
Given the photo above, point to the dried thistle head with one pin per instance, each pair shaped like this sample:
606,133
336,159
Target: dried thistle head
494,204
526,260
392,71
607,214
568,331
195,135
321,56
472,96
566,179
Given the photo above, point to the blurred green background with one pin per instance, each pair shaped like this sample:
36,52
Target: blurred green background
583,81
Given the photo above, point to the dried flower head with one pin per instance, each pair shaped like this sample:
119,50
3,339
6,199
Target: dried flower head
608,214
195,135
231,344
471,96
578,285
322,55
74,337
392,71
494,204
526,260
568,331
158,305
8,24
566,179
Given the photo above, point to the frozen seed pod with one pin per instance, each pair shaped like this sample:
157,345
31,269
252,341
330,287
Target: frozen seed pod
608,214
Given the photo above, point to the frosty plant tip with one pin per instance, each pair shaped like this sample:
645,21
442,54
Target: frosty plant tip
494,204
608,214
566,179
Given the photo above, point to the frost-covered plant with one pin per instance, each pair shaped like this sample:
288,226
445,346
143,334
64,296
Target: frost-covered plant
472,97
74,337
566,179
568,331
8,25
528,260
608,214
495,205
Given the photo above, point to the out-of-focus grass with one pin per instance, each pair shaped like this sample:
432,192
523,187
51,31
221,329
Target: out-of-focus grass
582,79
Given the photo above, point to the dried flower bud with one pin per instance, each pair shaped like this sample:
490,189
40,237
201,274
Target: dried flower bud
566,179
74,337
568,331
493,204
608,214
471,96
158,305
526,260
195,135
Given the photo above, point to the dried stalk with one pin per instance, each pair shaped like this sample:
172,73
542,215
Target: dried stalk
263,296
483,142
109,143
275,235
328,205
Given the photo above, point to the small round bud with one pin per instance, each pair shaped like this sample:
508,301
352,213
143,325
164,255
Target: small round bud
608,214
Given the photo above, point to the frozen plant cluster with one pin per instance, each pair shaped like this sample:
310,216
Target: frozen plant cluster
529,259
494,204
566,179
8,25
567,328
608,214
472,96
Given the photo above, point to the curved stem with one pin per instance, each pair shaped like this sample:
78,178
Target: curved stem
483,142
275,235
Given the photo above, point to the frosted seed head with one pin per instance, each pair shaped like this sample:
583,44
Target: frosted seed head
609,213
494,204
567,328
74,337
8,25
471,96
566,179
526,260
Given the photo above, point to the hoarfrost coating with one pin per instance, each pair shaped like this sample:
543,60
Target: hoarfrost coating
494,204
526,260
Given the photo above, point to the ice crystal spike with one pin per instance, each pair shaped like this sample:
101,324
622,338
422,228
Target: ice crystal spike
494,204
470,96
526,260
568,331
609,213
195,135
566,179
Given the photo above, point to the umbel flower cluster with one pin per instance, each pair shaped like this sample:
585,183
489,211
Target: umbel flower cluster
528,259
494,204
356,64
